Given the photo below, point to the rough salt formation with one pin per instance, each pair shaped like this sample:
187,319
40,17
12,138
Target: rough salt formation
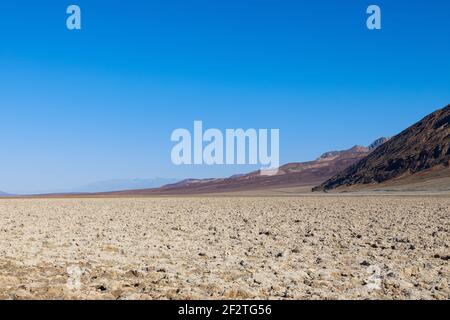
187,248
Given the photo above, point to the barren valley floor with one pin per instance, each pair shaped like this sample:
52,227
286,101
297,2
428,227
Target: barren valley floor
308,247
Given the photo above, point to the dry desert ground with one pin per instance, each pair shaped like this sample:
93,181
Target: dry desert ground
305,247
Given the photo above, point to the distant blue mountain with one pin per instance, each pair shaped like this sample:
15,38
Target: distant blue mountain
122,184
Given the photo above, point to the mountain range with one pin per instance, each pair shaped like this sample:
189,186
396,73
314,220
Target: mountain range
297,174
122,184
418,155
105,186
418,158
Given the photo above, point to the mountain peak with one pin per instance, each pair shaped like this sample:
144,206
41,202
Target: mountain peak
378,143
357,148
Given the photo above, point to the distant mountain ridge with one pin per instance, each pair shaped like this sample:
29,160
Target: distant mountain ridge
290,175
418,157
423,148
122,184
296,174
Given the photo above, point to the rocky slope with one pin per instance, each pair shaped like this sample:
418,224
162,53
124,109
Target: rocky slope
422,148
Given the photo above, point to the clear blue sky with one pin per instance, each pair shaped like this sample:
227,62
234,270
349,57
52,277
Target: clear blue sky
101,103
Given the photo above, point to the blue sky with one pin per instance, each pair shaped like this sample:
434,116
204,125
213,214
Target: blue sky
101,103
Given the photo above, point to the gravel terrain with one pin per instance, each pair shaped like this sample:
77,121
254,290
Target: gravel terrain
308,247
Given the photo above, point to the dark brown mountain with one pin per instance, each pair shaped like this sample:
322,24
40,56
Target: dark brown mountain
297,174
421,151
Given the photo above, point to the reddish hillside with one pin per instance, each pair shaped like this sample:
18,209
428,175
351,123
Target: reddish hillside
290,175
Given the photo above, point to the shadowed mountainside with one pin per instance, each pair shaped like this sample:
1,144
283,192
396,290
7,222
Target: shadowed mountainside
420,152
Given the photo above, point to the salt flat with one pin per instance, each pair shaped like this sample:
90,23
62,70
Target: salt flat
309,247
